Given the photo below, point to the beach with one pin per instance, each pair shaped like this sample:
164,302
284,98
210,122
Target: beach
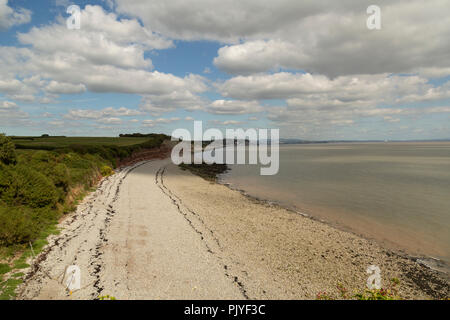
154,231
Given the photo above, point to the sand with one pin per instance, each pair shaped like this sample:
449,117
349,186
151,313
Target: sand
153,231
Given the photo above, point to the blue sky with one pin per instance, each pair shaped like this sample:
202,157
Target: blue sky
311,69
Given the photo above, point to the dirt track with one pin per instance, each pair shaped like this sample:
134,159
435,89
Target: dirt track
130,241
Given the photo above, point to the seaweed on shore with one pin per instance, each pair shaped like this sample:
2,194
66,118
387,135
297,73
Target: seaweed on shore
208,172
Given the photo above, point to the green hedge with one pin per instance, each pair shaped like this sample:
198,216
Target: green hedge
109,152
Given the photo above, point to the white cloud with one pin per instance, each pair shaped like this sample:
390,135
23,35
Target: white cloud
111,121
328,37
233,107
315,122
226,122
259,55
76,114
225,21
309,91
10,86
177,99
57,123
413,38
316,103
154,122
10,17
105,55
102,39
7,105
11,114
351,73
64,88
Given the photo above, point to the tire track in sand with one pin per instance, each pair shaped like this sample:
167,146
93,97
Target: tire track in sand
80,243
211,242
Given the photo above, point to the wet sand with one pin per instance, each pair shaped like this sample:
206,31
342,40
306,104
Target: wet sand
153,231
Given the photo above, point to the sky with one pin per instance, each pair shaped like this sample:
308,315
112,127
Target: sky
312,69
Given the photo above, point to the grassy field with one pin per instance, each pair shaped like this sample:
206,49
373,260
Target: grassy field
62,142
44,178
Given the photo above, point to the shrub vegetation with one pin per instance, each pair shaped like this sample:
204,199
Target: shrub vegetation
7,150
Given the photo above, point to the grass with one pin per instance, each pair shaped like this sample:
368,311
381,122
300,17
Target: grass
4,268
8,287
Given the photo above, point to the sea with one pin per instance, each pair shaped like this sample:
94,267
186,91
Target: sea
397,193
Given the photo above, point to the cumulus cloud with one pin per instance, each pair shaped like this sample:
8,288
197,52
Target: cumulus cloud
225,21
105,55
77,114
8,105
315,103
11,114
154,122
10,17
64,88
317,62
177,99
234,107
226,122
310,90
327,37
260,55
315,122
102,39
111,121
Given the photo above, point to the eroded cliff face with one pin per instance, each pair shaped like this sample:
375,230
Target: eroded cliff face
148,154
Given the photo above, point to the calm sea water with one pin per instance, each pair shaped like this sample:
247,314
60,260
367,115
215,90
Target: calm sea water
396,193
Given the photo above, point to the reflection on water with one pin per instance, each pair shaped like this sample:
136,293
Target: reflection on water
398,193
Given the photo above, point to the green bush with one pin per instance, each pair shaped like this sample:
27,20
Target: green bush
7,150
21,224
42,156
56,172
106,171
22,185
